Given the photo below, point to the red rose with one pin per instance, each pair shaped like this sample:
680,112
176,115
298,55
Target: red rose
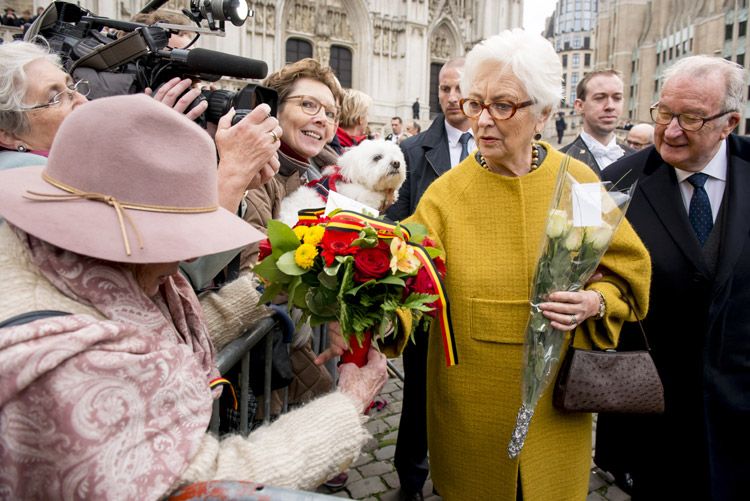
422,284
372,263
337,243
440,266
264,249
428,242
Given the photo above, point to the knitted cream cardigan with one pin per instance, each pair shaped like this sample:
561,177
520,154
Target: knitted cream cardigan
299,451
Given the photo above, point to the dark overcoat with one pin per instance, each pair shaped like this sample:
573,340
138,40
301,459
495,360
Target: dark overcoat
427,157
698,327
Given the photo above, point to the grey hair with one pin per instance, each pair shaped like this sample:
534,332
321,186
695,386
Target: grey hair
14,82
695,67
530,57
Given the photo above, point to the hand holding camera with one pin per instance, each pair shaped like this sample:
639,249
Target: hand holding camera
247,153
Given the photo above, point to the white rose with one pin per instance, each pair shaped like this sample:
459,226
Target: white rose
599,236
574,239
557,223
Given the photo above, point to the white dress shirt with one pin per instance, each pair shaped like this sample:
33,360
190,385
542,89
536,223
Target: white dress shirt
717,181
603,154
454,146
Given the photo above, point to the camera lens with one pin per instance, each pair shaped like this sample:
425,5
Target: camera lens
219,103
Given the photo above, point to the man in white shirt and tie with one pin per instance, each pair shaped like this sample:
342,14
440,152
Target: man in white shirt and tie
428,155
599,101
691,209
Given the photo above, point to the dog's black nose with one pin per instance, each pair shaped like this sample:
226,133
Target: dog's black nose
395,165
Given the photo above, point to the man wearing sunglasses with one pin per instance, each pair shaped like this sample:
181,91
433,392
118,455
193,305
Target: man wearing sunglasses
691,208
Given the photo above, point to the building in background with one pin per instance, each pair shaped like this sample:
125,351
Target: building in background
390,49
642,38
570,28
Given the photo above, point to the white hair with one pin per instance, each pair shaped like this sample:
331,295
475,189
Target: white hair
14,82
530,57
695,67
643,128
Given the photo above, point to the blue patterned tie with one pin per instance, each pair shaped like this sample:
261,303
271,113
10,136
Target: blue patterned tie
464,140
700,208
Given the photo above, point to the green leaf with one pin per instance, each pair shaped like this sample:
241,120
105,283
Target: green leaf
346,280
321,304
332,270
272,290
282,237
300,293
392,280
417,231
368,238
287,265
328,281
293,286
353,291
267,269
434,252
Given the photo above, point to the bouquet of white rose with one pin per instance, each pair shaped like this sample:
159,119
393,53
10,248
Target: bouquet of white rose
581,221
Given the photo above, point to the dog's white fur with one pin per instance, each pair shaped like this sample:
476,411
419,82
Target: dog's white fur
373,172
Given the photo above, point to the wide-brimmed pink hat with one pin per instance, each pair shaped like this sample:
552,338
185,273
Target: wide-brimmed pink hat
128,179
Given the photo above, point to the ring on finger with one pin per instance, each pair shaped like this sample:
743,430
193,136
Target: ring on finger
573,320
274,136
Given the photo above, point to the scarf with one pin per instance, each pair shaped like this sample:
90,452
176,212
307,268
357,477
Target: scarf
103,409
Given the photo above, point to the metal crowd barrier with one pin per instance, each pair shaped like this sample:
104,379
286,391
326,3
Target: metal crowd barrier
238,351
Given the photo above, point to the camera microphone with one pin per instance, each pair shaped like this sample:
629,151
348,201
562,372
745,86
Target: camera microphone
218,63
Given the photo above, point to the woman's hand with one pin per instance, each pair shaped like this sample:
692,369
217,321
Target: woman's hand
567,310
337,344
247,153
169,93
362,384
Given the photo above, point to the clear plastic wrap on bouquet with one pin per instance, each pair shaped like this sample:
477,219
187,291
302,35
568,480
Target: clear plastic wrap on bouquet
581,221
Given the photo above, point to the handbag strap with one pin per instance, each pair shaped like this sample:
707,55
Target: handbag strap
635,312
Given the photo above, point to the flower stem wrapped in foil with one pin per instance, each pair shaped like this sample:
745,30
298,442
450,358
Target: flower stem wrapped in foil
581,221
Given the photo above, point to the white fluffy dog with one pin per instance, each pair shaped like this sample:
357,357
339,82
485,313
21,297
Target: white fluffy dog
370,173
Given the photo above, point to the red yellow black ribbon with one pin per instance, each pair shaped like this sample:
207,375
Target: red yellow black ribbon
307,217
220,380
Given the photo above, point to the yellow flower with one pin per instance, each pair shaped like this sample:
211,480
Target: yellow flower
300,231
314,235
304,256
557,223
402,257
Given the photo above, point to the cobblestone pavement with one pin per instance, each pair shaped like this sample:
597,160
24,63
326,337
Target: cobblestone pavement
373,477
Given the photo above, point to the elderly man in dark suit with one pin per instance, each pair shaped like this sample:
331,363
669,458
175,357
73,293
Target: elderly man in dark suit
428,155
692,210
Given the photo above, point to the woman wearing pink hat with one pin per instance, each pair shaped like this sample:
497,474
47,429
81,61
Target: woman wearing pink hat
113,400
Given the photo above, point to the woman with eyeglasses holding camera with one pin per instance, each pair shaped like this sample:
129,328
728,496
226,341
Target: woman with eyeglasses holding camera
488,214
309,101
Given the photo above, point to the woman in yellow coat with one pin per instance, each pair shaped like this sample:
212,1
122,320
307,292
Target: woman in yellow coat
488,214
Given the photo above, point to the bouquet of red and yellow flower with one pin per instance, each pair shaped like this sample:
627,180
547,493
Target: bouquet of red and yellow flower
377,279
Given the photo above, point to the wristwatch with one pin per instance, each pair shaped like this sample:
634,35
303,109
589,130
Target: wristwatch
602,305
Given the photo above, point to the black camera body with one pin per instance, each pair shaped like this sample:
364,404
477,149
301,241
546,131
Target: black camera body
141,59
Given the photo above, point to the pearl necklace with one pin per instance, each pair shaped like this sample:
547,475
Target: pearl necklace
534,157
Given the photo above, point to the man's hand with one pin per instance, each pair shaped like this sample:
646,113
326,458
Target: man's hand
248,155
170,92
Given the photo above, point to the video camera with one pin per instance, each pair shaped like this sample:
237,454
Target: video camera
141,58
